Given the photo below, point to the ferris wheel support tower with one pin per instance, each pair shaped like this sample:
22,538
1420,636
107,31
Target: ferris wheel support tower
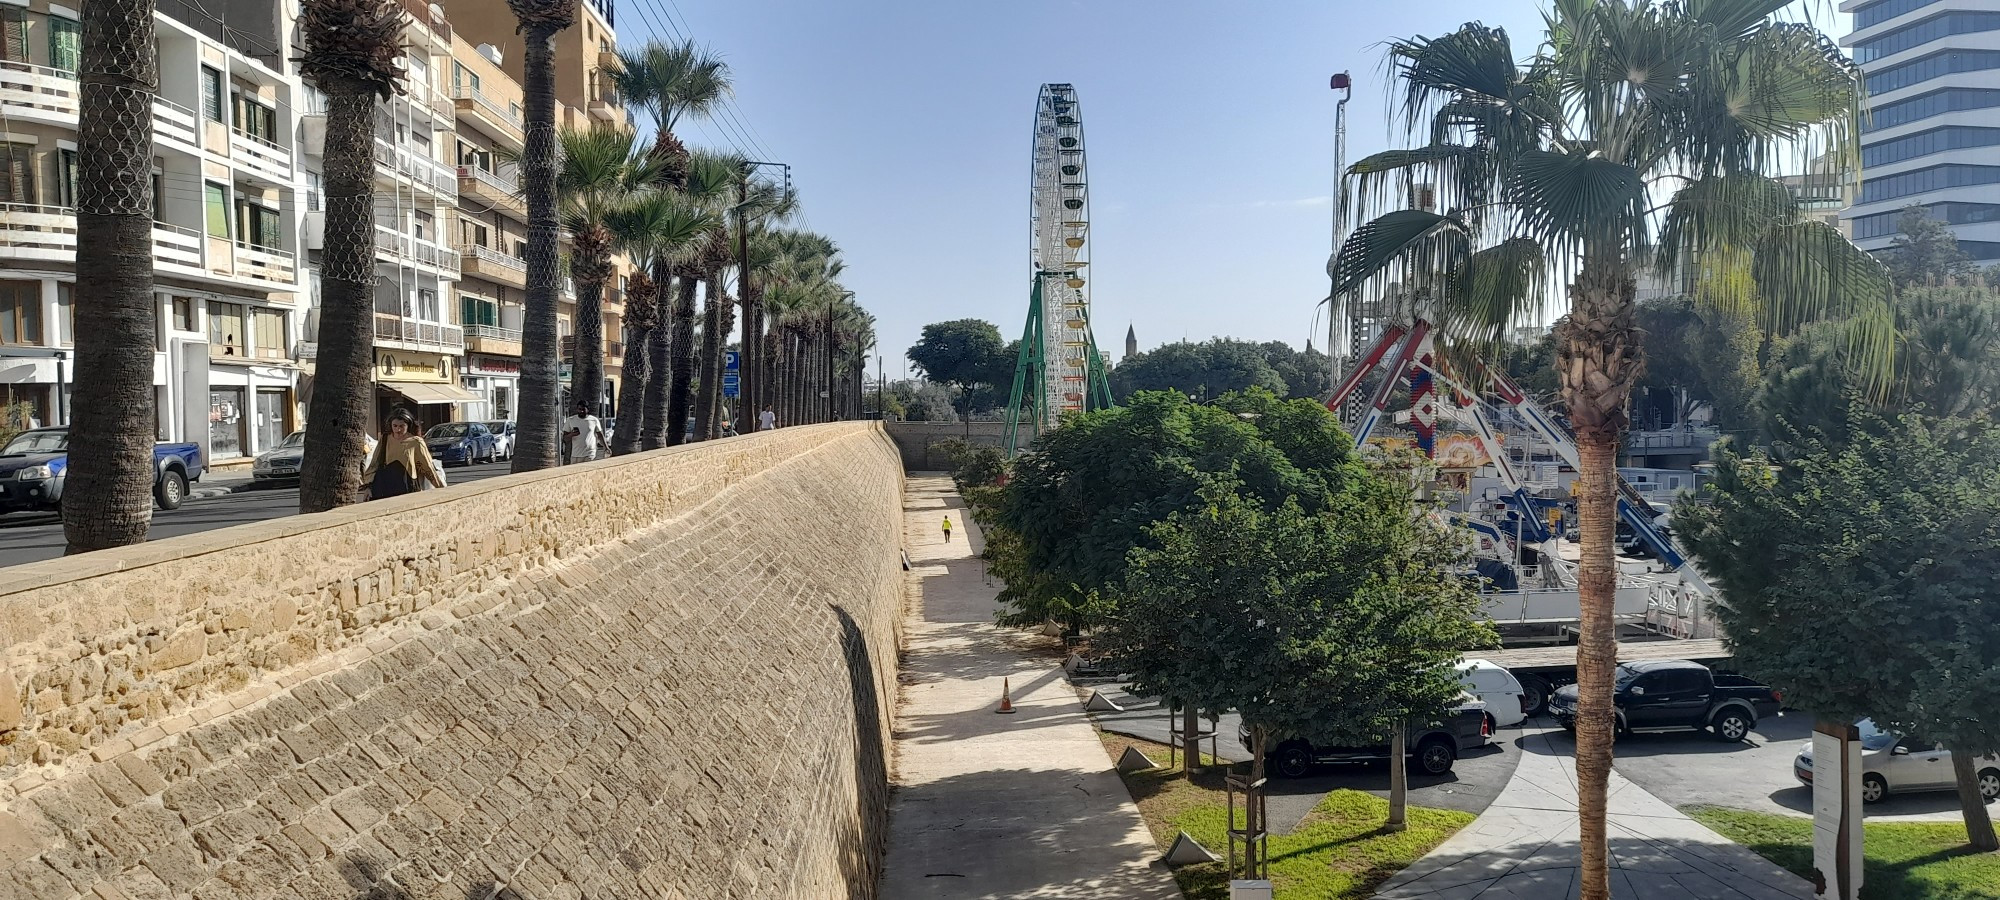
1059,369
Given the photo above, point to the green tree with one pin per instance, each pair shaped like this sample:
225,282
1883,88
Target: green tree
354,55
1696,357
1925,251
1633,128
970,355
1306,373
1335,626
1204,371
1887,613
653,226
601,169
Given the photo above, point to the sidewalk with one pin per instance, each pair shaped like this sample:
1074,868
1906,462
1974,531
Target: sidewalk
989,805
1525,846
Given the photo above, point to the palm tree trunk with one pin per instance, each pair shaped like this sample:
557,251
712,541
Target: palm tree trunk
720,413
632,391
590,268
680,396
108,499
343,399
540,394
711,356
1599,359
1978,824
653,413
748,399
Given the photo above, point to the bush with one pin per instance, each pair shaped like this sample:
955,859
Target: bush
972,466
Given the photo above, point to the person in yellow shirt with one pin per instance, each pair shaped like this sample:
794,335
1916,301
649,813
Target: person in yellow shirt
947,529
402,461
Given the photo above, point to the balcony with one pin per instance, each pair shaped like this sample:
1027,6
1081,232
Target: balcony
493,339
38,93
493,117
265,263
174,122
260,157
29,231
420,170
397,248
492,265
176,246
420,10
429,335
604,108
493,189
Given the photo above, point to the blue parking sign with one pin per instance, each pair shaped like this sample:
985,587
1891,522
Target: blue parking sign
729,362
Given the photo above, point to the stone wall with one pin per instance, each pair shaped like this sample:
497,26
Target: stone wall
918,441
665,675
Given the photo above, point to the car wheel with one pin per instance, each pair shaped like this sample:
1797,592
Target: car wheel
1989,784
1534,696
1732,726
1873,788
171,490
1435,757
1293,761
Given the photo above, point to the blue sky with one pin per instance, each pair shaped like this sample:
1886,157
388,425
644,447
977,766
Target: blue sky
1209,133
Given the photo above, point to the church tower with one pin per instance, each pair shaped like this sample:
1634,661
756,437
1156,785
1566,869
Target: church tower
1131,341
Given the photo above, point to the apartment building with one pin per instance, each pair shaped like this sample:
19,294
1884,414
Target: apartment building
1933,76
225,238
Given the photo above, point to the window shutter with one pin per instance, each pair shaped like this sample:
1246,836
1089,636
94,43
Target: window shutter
267,229
65,44
17,181
14,48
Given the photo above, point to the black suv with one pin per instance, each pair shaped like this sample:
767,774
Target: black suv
1434,749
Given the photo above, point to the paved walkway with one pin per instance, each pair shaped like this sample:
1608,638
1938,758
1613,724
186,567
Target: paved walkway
986,805
1525,845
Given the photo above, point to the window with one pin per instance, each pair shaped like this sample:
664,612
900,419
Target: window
1936,65
65,44
1935,103
159,190
255,119
1877,13
65,313
1885,224
1925,143
463,79
471,234
313,187
259,225
14,35
66,177
473,310
183,313
1918,34
216,199
268,328
225,329
17,173
1935,178
427,305
423,225
211,94
20,312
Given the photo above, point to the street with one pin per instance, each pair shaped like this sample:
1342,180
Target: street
34,536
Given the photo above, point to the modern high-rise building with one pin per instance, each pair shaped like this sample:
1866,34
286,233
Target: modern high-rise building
1933,123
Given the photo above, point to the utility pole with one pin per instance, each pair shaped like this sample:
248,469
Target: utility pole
1336,314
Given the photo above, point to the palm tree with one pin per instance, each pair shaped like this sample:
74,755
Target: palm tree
540,394
1631,113
601,168
353,53
653,228
109,501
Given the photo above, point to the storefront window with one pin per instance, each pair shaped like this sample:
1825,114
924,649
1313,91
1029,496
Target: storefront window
225,422
271,420
225,329
20,312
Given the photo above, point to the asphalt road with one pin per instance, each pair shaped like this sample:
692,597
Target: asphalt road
31,537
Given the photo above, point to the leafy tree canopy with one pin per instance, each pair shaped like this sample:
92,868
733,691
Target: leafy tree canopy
1221,365
1926,251
960,352
1695,357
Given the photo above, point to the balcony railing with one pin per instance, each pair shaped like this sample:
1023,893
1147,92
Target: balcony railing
494,264
41,92
266,263
175,245
493,180
401,247
493,332
506,120
261,156
31,231
173,121
392,327
420,169
421,11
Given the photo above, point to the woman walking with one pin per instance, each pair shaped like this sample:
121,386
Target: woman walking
947,528
400,459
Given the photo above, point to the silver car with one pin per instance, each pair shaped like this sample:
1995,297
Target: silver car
1899,764
503,438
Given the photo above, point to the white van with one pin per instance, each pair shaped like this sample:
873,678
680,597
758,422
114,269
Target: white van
1497,687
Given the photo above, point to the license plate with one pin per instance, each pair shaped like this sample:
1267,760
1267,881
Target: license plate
284,470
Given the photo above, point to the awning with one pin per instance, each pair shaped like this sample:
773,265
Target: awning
422,393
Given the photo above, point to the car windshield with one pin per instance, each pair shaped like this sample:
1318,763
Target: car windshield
447,430
294,440
1626,675
497,427
39,442
1873,738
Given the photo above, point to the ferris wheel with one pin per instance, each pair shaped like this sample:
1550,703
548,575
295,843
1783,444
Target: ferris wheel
1059,370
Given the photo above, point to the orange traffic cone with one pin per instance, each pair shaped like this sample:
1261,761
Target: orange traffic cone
1006,698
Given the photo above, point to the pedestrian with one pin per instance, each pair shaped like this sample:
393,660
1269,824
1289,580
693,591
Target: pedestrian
947,529
767,419
401,461
585,433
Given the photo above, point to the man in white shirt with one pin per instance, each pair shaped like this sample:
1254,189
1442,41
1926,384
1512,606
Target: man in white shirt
767,420
584,433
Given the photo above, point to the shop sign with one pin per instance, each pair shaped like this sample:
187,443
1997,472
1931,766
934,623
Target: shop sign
408,365
495,365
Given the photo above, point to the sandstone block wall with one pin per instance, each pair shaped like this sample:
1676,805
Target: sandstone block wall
919,442
666,675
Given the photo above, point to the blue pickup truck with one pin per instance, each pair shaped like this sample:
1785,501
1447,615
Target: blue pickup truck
33,464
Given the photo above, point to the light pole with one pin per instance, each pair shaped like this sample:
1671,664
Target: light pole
1336,349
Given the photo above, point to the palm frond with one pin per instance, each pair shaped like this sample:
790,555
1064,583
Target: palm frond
1414,245
1718,212
1579,201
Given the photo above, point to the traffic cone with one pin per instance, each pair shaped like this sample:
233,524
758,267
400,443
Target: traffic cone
1006,698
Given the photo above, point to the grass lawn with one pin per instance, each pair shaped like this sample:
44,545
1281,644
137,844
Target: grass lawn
1905,860
1338,852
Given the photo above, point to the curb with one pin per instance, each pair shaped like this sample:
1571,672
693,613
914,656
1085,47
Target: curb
199,491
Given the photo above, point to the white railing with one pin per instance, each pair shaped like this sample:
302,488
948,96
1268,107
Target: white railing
487,256
174,245
261,156
490,179
31,89
493,332
420,169
172,120
32,231
265,263
500,115
406,248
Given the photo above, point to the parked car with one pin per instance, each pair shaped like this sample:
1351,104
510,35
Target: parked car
34,463
1506,703
282,463
503,437
461,443
1677,693
1432,748
1901,764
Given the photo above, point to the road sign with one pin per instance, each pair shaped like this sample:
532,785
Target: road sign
729,362
731,385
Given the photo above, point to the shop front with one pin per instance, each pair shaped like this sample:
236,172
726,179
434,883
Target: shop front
250,410
496,380
427,384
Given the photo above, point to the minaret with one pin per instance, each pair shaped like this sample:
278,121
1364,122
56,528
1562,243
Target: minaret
1131,341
